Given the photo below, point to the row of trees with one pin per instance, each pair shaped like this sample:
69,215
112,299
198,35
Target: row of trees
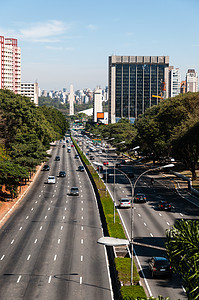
168,129
25,134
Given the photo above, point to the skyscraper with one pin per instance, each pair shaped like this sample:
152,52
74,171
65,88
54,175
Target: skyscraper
135,84
10,65
191,81
174,81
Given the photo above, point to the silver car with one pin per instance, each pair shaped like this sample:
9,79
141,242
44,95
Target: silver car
74,191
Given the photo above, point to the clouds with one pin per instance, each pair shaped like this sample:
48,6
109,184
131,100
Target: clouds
43,31
46,32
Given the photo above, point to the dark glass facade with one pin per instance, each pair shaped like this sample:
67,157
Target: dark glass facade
134,85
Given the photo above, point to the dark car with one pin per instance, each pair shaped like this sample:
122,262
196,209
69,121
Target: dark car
92,157
81,168
140,198
46,168
64,146
62,174
118,165
164,205
160,266
57,158
76,156
74,191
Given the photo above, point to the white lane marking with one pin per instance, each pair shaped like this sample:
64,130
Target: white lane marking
144,224
46,217
49,208
160,214
58,241
36,201
35,241
28,258
20,228
27,217
51,201
53,195
151,234
32,209
61,227
65,208
81,195
81,258
2,257
42,191
40,228
82,217
39,197
64,217
19,278
82,208
80,280
66,201
139,215
181,214
82,241
168,223
55,257
55,191
49,279
82,201
12,242
82,228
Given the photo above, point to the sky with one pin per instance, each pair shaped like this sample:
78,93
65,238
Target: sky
67,42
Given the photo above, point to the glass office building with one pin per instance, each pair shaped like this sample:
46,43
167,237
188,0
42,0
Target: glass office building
134,84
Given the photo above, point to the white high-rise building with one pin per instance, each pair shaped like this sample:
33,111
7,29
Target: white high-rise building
71,101
191,81
10,65
31,91
174,81
97,103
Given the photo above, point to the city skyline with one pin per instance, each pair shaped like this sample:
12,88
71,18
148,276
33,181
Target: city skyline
69,43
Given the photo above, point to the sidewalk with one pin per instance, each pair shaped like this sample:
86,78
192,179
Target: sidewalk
7,207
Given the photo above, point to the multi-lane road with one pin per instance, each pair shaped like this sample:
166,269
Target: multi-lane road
150,224
48,247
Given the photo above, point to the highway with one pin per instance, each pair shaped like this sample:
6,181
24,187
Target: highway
48,247
150,224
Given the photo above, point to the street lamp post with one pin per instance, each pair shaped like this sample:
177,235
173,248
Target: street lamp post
123,142
132,214
132,207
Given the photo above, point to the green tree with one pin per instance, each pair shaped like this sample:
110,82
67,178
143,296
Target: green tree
183,249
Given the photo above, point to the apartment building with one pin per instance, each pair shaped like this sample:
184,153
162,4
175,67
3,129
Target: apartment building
31,91
191,81
10,65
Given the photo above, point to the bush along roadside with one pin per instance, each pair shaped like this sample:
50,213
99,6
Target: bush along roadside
121,265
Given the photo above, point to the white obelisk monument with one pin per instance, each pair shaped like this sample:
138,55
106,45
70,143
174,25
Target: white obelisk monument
71,101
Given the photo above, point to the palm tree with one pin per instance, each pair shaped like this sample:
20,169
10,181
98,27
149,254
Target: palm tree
183,249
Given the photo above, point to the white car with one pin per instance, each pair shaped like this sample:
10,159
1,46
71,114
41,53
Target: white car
51,179
100,152
125,203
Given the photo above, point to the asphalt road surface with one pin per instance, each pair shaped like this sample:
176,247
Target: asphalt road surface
48,247
150,224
